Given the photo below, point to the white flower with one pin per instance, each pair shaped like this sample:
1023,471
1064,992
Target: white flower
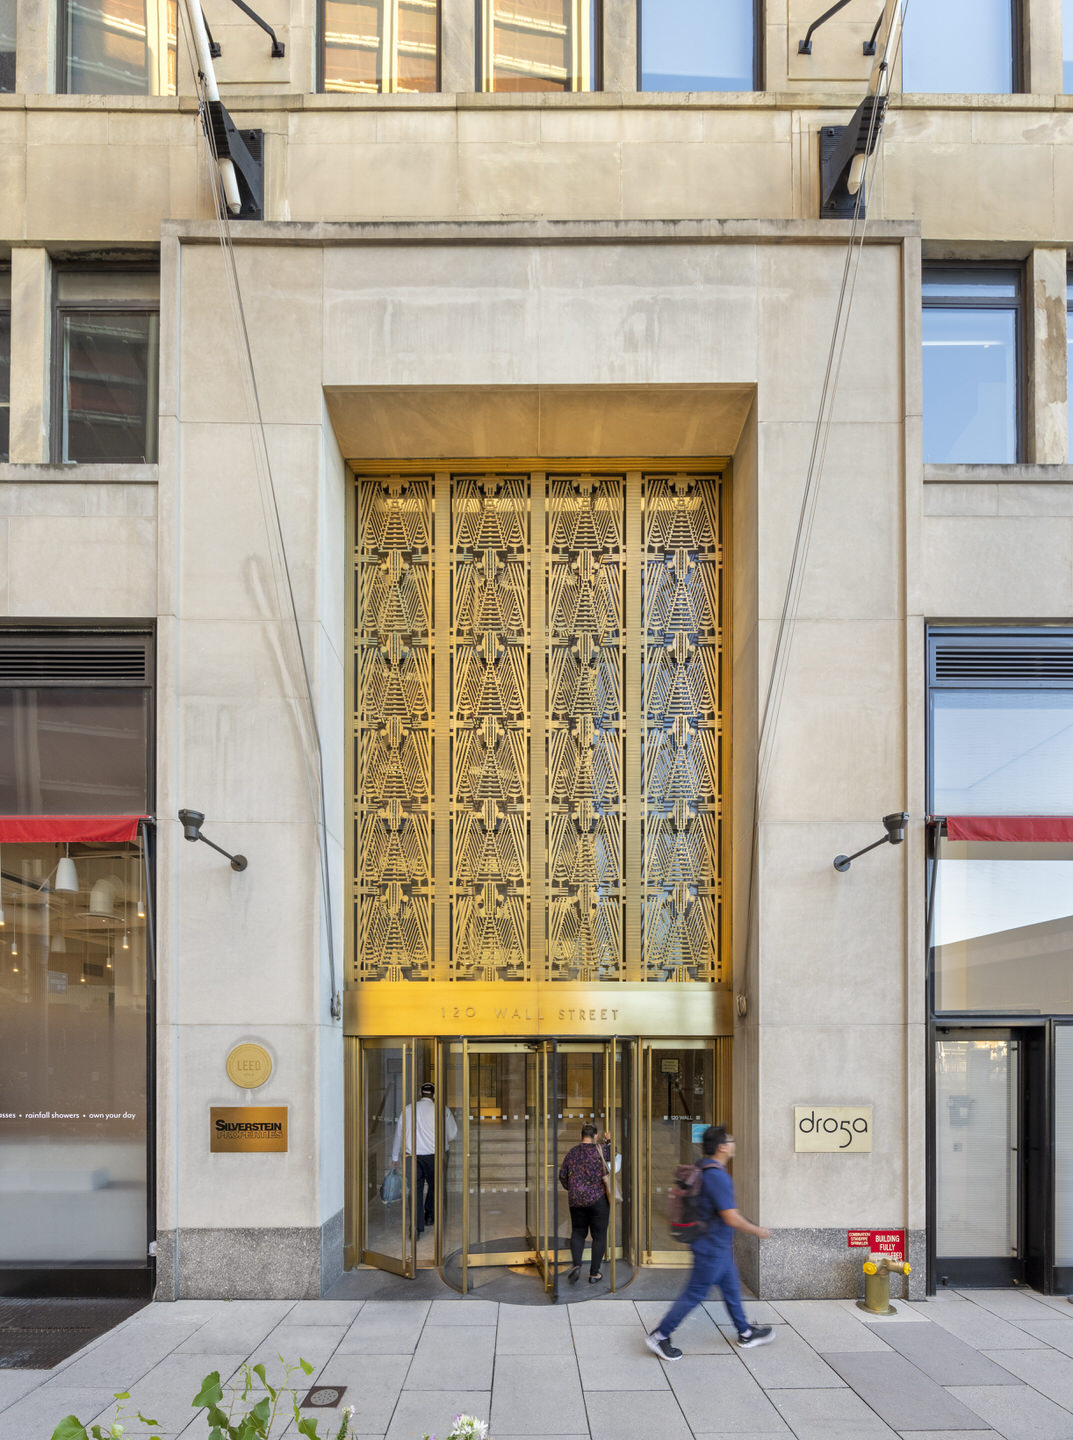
116,1430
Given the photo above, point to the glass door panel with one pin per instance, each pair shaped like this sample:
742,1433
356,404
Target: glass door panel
977,1158
678,1102
389,1193
1063,1158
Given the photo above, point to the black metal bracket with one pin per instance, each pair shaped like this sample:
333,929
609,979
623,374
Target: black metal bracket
246,149
278,47
870,45
804,47
838,146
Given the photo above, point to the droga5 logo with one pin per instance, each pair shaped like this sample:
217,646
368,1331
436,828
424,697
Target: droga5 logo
832,1127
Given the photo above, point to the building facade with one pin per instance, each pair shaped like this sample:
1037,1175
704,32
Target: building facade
539,543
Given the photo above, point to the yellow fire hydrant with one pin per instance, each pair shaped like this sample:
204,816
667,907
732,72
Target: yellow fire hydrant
877,1272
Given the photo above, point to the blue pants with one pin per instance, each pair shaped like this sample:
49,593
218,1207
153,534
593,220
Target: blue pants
709,1268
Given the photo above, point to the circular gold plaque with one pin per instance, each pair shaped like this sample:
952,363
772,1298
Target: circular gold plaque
249,1066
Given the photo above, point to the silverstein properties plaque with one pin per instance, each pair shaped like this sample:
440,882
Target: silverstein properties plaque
247,1129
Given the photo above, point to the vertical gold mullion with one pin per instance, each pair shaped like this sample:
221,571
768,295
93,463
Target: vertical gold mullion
632,711
538,968
442,630
581,45
488,20
465,1164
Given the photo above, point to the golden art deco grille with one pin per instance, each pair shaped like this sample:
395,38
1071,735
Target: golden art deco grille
538,734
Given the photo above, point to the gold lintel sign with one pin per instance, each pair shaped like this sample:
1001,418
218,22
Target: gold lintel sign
845,1128
249,1066
247,1129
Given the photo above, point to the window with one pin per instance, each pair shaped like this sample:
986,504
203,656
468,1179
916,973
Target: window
1069,365
972,345
698,45
5,367
117,47
75,939
381,45
105,361
1067,46
7,45
538,44
959,47
1002,749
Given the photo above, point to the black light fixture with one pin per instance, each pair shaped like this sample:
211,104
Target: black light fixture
895,828
192,821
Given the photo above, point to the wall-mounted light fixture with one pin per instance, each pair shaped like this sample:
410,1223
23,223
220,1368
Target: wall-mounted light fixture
192,821
895,828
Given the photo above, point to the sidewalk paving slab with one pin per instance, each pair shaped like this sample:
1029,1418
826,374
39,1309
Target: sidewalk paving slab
373,1386
945,1358
613,1357
533,1330
830,1415
313,1343
36,1415
603,1312
824,1326
324,1312
637,1416
978,1327
386,1327
462,1356
432,1412
698,1333
1011,1304
463,1311
166,1392
1057,1333
789,1364
1045,1370
1016,1412
536,1395
901,1394
719,1390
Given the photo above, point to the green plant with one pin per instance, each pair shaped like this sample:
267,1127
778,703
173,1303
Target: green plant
228,1411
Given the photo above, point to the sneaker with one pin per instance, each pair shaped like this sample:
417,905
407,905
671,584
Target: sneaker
756,1335
660,1345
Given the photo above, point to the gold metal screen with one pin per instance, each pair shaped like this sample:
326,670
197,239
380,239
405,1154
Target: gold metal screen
538,737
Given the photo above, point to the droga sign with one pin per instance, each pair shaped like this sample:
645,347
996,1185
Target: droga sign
847,1128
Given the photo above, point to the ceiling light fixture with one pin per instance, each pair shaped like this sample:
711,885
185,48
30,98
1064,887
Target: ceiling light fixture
67,875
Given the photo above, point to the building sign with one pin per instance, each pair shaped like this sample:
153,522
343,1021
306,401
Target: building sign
833,1127
247,1129
878,1242
249,1066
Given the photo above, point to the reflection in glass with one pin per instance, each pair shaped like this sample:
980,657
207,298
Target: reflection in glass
970,385
1002,752
73,1007
109,393
7,44
1067,46
680,1087
1069,350
697,45
5,371
120,47
381,45
956,47
975,1132
73,752
1063,1145
1003,927
539,44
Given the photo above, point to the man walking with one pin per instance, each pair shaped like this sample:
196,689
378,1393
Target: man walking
419,1123
713,1253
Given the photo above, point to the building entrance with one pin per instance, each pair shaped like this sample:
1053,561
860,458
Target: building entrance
467,1180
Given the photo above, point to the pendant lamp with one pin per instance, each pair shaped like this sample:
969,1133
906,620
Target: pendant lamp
67,875
102,898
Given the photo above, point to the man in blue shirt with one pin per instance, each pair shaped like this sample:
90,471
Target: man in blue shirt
713,1253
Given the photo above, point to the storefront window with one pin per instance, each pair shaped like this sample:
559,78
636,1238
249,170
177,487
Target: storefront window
7,45
1003,927
1002,752
73,751
73,1038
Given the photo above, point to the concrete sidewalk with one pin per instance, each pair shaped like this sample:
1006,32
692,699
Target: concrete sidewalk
972,1364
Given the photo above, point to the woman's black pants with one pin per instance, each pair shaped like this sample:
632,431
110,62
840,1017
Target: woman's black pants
586,1220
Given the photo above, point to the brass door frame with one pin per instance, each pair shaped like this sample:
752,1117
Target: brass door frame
406,1266
644,1101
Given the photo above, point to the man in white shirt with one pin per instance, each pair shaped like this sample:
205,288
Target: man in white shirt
419,1122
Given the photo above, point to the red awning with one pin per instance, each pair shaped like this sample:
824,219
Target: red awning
33,829
1023,828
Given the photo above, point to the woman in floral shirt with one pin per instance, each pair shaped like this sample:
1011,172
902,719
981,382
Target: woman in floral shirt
582,1177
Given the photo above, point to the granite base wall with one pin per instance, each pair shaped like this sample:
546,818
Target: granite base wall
817,1264
270,1264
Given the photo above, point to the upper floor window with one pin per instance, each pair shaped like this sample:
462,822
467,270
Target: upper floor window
7,45
972,344
1067,46
105,358
1069,365
698,45
381,45
117,47
538,44
960,47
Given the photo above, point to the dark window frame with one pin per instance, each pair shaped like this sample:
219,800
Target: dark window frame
5,405
759,53
61,309
934,269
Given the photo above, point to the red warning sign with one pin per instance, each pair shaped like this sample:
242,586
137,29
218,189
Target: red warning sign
880,1242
